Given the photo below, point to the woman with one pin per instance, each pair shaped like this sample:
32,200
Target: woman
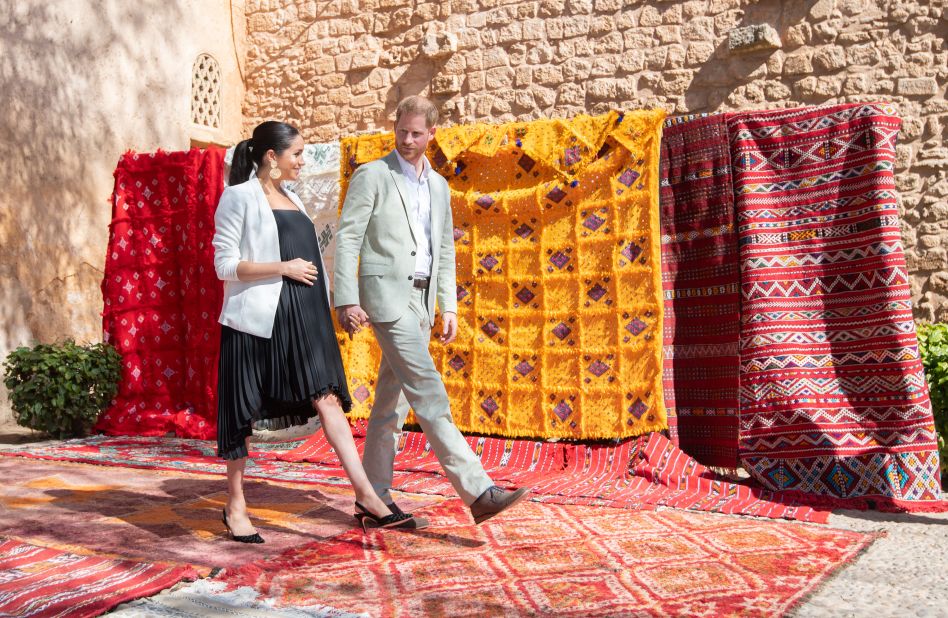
279,357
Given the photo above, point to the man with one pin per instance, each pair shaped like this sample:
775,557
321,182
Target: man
394,259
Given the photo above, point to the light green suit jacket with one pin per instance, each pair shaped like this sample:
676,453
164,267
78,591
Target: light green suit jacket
376,242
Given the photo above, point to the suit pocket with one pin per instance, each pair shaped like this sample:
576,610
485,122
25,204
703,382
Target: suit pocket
368,269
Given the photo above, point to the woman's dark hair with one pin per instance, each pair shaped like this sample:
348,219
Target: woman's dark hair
269,135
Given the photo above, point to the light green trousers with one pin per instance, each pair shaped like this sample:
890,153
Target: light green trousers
408,377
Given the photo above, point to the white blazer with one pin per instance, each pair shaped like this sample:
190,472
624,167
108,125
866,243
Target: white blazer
246,230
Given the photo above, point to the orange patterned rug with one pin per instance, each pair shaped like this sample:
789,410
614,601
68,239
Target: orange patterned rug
544,559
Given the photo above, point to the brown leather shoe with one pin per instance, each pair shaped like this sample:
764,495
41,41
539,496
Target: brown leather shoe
496,500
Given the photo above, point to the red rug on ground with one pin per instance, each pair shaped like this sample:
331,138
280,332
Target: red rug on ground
161,295
833,395
700,276
643,473
559,560
37,581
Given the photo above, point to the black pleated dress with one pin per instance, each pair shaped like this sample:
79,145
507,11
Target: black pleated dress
275,380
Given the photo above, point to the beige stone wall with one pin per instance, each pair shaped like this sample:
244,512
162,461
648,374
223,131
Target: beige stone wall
81,81
338,66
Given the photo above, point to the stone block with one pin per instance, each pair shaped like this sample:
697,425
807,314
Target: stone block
632,60
576,26
523,76
551,8
533,29
810,87
609,44
469,38
676,82
437,45
918,86
540,53
570,94
638,38
494,57
602,24
548,75
499,78
650,17
798,63
427,12
603,66
857,84
672,15
446,84
758,37
721,6
608,6
668,34
776,91
676,57
602,89
698,29
510,33
580,7
904,153
364,100
476,81
830,58
655,58
865,55
799,34
576,69
822,9
699,52
544,97
524,99
364,60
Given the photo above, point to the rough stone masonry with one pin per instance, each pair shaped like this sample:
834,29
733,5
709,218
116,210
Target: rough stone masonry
334,67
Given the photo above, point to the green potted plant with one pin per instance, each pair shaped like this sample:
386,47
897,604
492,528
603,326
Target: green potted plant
61,388
933,347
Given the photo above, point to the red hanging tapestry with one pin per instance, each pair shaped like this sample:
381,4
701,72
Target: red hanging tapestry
700,277
833,395
161,295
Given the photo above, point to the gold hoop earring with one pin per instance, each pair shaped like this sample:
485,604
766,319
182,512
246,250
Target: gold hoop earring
275,172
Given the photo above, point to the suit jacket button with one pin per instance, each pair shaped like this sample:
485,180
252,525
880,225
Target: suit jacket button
410,277
413,253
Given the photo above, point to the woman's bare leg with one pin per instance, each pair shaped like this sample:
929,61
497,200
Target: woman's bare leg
236,507
339,435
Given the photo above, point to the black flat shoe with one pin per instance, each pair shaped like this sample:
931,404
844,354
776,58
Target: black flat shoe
395,520
246,538
416,523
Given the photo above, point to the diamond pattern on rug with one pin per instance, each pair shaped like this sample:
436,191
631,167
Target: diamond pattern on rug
543,559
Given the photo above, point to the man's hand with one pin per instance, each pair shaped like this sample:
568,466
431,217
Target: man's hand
449,330
351,318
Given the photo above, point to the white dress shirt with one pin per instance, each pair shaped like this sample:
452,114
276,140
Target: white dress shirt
419,197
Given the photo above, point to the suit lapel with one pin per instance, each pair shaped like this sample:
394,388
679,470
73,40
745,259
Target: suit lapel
396,171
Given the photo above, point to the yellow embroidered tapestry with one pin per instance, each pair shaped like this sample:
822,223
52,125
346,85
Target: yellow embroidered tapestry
558,272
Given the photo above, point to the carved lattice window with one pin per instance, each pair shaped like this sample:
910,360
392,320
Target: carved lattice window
206,92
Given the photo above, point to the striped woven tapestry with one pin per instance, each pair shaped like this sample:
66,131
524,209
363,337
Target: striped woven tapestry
833,395
700,279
